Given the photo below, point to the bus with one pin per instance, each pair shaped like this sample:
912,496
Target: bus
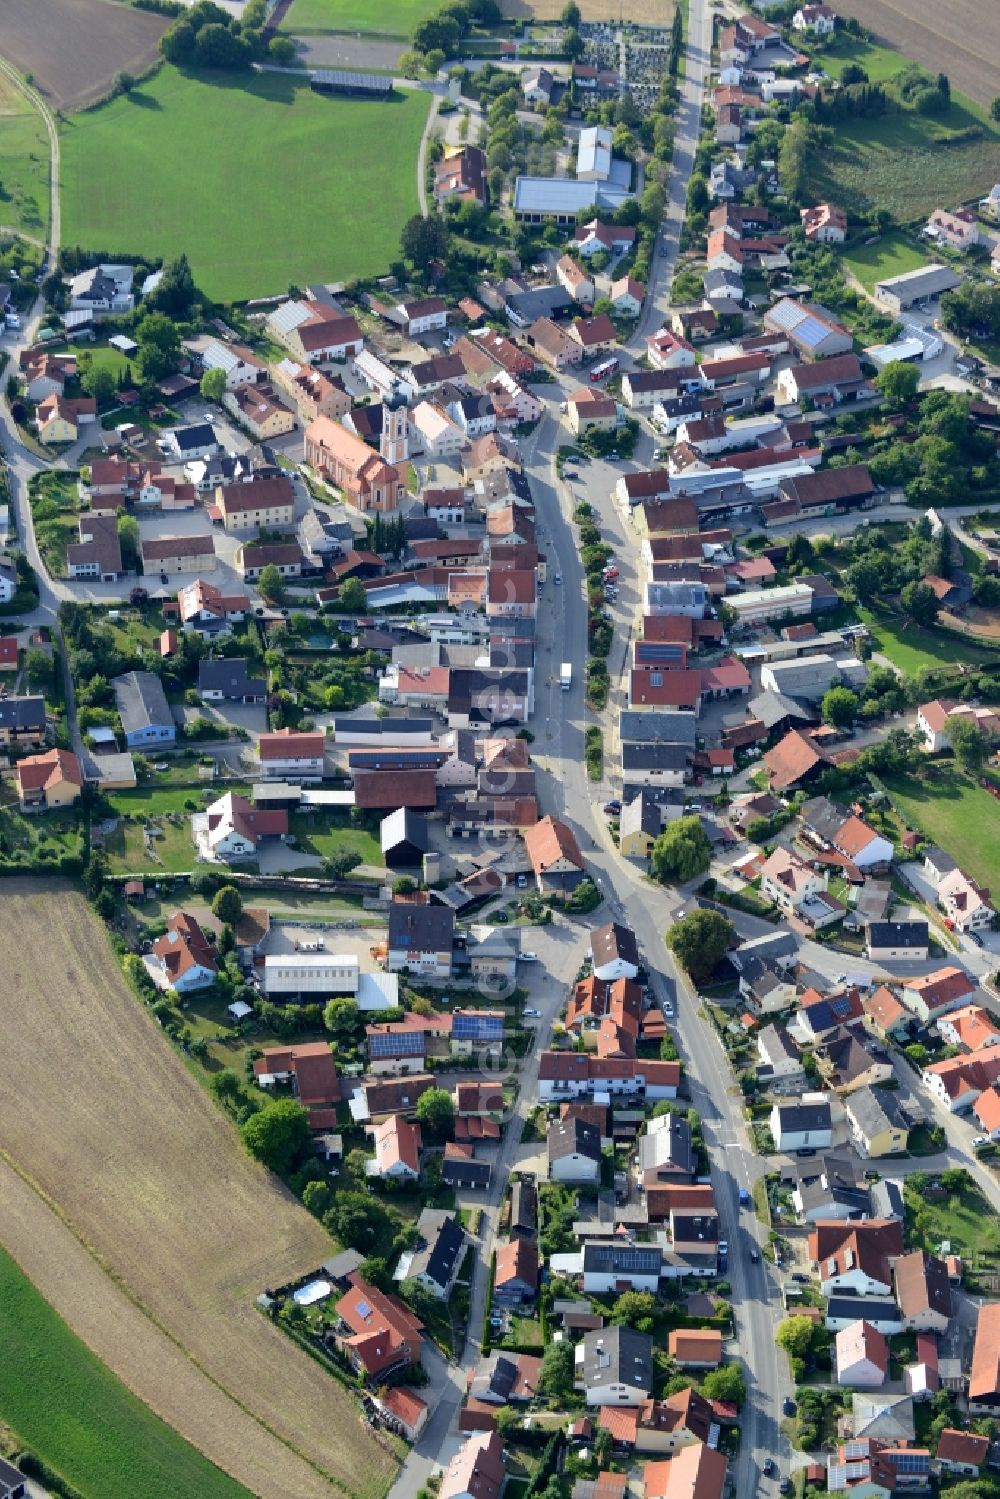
602,371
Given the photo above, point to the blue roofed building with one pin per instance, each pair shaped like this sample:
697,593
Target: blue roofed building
396,1047
812,331
477,1030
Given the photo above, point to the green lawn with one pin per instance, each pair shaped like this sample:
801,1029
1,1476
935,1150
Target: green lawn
174,851
289,185
899,162
957,814
878,62
24,165
159,801
891,255
963,1217
80,1419
326,833
387,18
912,649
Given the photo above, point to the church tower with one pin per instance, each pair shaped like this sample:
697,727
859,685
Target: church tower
394,441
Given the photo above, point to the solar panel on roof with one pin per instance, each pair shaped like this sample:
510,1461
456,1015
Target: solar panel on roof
811,331
364,1310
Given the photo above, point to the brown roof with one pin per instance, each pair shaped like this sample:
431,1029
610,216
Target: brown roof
384,1330
39,772
837,1247
841,369
380,789
595,330
791,759
183,947
695,1472
284,744
517,1260
549,841
396,1095
984,1376
477,1469
922,1284
262,494
702,1345
162,548
962,1447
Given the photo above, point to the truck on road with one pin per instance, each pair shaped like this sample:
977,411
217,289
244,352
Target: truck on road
566,676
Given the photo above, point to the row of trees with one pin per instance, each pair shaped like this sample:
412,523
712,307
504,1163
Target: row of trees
206,36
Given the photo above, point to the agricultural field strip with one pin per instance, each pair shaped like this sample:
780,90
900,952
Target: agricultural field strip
965,39
74,48
105,1126
129,1345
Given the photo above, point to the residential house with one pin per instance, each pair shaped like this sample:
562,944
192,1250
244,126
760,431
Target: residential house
824,223
461,1169
378,1334
98,553
696,1347
961,1454
22,721
574,1151
665,1153
225,680
231,829
923,1292
827,383
310,1069
984,1375
965,904
239,364
819,19
291,755
937,993
177,554
420,938
184,957
436,1261
102,289
571,275
477,1471
971,1029
48,782
877,1123
958,1082
614,951
932,719
697,1471
626,296
515,1280
203,607
258,412
830,827
855,1259
145,714
589,409
797,889
614,1365
595,236
313,394
890,941
861,1356
804,1125
460,176
555,855
958,230
402,1410
59,419
395,1048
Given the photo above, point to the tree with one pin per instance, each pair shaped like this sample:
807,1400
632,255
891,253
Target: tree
570,16
839,707
227,906
632,1306
357,1220
920,603
282,50
128,540
159,345
38,665
341,1017
352,596
795,1336
270,584
424,240
317,1197
726,1383
436,1112
403,885
995,108
682,851
175,293
213,385
95,379
699,942
278,1135
968,745
558,1371
898,382
376,1272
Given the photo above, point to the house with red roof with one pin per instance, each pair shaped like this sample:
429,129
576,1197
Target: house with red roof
183,959
51,780
377,1333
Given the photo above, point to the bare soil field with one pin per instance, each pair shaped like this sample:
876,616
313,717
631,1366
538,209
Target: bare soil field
641,12
74,48
176,1229
962,37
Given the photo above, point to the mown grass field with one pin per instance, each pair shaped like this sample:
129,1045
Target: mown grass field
395,18
957,814
878,62
24,164
328,833
901,162
891,255
176,1230
49,1378
912,649
289,186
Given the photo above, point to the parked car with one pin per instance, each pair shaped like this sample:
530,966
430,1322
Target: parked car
788,1406
533,1013
769,1466
558,577
613,806
529,957
755,1256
